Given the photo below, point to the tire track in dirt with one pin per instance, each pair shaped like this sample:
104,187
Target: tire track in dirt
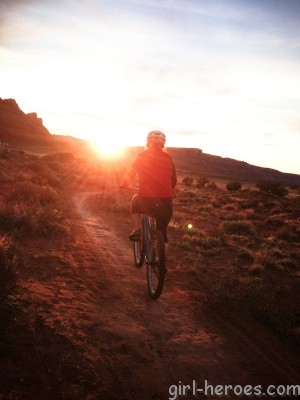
139,347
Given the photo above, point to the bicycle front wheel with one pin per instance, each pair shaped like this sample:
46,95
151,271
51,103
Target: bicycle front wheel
138,253
156,265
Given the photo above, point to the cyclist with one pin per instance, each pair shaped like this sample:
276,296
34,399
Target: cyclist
157,179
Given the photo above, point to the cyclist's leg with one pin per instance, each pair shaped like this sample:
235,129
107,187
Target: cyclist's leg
162,226
136,213
163,216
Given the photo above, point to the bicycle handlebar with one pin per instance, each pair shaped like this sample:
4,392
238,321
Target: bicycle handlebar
130,188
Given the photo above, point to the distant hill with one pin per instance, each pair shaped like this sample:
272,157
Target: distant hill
194,161
215,166
26,131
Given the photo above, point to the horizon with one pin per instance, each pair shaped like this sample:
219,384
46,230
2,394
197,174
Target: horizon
222,76
195,148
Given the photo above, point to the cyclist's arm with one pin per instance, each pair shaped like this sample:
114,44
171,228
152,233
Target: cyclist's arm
129,177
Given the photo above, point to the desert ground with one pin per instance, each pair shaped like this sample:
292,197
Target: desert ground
79,324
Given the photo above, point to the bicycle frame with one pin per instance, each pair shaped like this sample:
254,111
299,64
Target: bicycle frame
150,248
148,223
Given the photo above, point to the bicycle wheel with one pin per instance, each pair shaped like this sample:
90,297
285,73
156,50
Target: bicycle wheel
139,253
156,265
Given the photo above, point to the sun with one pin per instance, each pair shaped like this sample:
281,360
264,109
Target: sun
109,148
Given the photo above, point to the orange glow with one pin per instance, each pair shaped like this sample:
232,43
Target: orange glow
109,148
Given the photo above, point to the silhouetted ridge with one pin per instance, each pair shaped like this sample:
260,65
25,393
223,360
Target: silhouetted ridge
216,166
26,131
16,126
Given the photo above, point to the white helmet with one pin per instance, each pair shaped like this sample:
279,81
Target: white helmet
156,137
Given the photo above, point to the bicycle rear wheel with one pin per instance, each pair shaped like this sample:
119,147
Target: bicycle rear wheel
156,265
139,253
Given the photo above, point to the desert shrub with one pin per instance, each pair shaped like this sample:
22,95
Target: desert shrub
8,265
270,257
233,186
212,242
202,181
188,181
274,222
251,214
32,193
296,201
32,209
289,263
40,220
237,227
194,240
185,197
244,257
47,177
219,201
61,157
41,173
10,215
288,233
232,215
211,185
189,194
56,166
275,188
269,262
47,221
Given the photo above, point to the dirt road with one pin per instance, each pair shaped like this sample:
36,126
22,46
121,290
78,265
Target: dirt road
97,335
150,346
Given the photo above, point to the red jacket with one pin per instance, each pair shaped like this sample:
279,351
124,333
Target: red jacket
156,172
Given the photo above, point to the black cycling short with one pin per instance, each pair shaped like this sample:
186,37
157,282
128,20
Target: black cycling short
160,208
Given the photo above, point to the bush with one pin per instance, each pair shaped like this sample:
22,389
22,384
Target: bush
275,188
8,265
237,227
189,195
188,181
233,186
202,181
32,194
212,185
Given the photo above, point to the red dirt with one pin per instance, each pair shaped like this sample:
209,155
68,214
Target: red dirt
90,331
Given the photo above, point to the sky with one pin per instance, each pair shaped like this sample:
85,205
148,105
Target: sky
219,75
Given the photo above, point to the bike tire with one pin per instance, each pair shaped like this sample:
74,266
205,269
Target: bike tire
138,253
156,266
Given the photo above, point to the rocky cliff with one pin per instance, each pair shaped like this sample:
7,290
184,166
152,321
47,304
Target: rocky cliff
18,127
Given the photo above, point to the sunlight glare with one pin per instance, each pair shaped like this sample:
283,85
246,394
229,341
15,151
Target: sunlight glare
108,148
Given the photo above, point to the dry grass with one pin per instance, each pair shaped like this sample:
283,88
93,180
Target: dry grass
9,263
33,202
243,248
242,245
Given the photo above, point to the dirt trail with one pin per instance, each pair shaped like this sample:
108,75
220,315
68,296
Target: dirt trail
117,343
150,345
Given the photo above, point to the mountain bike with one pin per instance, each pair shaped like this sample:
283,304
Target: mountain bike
150,248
